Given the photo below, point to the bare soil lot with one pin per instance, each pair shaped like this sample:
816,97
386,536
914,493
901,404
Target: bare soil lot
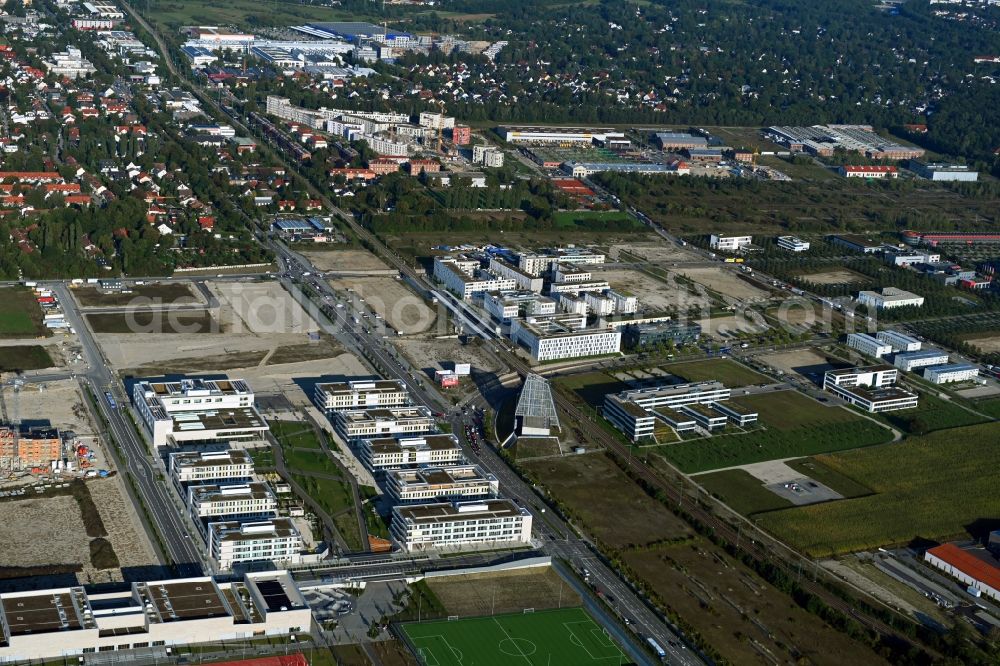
405,311
58,404
155,322
723,328
430,354
503,592
653,294
260,308
987,344
171,292
344,260
802,361
725,282
66,540
654,252
835,276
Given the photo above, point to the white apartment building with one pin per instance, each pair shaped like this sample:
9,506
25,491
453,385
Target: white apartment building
488,156
507,305
596,304
870,388
792,243
556,337
539,263
387,146
198,411
233,543
390,453
427,484
890,297
466,280
729,243
565,273
624,302
951,372
214,502
523,280
868,345
900,342
54,624
577,287
910,361
436,120
231,466
383,422
70,63
361,394
573,304
462,524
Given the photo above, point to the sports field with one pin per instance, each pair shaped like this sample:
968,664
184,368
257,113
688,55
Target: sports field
567,637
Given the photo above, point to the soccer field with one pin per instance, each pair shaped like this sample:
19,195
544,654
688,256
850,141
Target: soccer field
566,637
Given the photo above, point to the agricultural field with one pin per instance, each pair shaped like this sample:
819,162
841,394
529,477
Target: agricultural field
790,425
167,293
729,372
738,613
24,357
566,637
243,13
512,591
927,487
571,481
20,315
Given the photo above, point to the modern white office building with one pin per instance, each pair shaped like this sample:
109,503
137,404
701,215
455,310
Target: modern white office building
429,484
910,361
467,280
555,337
218,467
383,422
461,524
523,280
507,305
574,288
214,502
900,342
361,394
951,372
541,262
198,411
234,543
54,624
792,243
868,345
870,388
729,243
890,297
392,453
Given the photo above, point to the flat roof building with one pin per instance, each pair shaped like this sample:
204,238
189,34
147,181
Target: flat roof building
558,135
900,342
524,280
360,394
871,388
910,361
636,412
392,453
212,502
230,466
233,543
383,421
729,243
428,484
868,345
555,337
467,279
856,243
505,306
792,243
891,297
198,411
951,372
668,332
941,172
462,524
57,623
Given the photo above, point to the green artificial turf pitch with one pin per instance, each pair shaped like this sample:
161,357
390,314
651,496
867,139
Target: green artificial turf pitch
566,637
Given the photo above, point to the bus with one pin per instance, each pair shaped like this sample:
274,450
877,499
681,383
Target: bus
660,652
111,400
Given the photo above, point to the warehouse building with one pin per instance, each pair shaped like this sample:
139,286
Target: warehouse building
558,135
392,453
361,394
856,243
383,421
680,141
461,524
554,337
951,372
868,345
54,624
275,541
900,342
428,484
198,411
910,361
870,388
941,172
974,567
891,297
